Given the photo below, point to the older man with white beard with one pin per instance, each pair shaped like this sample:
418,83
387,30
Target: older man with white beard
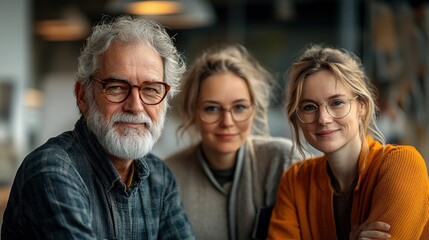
99,181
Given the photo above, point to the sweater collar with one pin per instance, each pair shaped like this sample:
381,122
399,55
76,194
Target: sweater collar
368,149
208,172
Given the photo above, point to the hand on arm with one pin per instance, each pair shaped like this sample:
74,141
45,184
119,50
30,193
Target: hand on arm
400,197
371,231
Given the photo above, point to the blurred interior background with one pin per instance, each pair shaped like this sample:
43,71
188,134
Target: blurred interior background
40,42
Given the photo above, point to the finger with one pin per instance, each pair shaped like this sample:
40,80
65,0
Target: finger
371,238
382,226
372,234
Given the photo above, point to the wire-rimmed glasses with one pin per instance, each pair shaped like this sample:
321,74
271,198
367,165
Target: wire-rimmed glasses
117,90
308,112
211,113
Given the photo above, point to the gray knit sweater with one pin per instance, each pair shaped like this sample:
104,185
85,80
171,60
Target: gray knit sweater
230,211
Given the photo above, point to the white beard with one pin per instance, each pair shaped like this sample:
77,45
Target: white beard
125,143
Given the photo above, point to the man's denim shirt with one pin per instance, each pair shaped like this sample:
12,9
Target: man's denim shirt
69,189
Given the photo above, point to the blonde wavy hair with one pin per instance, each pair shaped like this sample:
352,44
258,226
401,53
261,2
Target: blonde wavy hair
348,69
234,59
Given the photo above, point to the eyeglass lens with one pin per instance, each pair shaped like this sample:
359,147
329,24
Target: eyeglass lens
337,108
213,113
119,90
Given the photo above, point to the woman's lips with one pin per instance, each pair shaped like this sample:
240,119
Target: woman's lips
225,137
326,133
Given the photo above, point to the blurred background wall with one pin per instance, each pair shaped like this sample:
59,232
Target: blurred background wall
40,41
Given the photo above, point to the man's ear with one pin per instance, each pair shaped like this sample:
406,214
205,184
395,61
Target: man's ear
79,90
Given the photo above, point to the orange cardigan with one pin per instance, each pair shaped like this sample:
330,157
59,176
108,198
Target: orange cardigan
393,187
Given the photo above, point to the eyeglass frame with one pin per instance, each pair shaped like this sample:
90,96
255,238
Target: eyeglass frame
326,107
103,82
252,107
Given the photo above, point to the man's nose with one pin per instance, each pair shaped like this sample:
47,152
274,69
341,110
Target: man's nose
133,103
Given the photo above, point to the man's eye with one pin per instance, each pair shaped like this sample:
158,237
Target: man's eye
150,90
116,87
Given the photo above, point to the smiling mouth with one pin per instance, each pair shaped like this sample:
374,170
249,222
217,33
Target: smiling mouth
225,136
326,133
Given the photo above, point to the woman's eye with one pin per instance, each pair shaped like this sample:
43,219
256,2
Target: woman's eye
309,107
337,102
212,108
240,107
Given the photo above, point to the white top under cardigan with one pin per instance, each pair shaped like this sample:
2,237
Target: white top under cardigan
229,211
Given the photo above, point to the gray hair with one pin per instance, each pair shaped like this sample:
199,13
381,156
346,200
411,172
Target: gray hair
126,29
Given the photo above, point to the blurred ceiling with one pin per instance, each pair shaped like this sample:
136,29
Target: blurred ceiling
89,12
250,22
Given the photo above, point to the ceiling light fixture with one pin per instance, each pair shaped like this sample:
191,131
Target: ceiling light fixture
70,25
154,7
176,14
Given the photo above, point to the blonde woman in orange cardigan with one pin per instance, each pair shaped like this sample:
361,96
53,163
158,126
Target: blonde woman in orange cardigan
360,188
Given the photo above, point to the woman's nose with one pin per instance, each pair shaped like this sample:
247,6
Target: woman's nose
227,119
324,117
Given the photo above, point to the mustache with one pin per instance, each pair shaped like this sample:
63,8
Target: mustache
141,118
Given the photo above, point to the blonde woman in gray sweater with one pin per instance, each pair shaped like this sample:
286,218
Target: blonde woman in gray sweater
228,178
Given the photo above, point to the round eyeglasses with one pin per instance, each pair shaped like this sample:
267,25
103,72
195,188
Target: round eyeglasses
308,112
211,113
117,91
